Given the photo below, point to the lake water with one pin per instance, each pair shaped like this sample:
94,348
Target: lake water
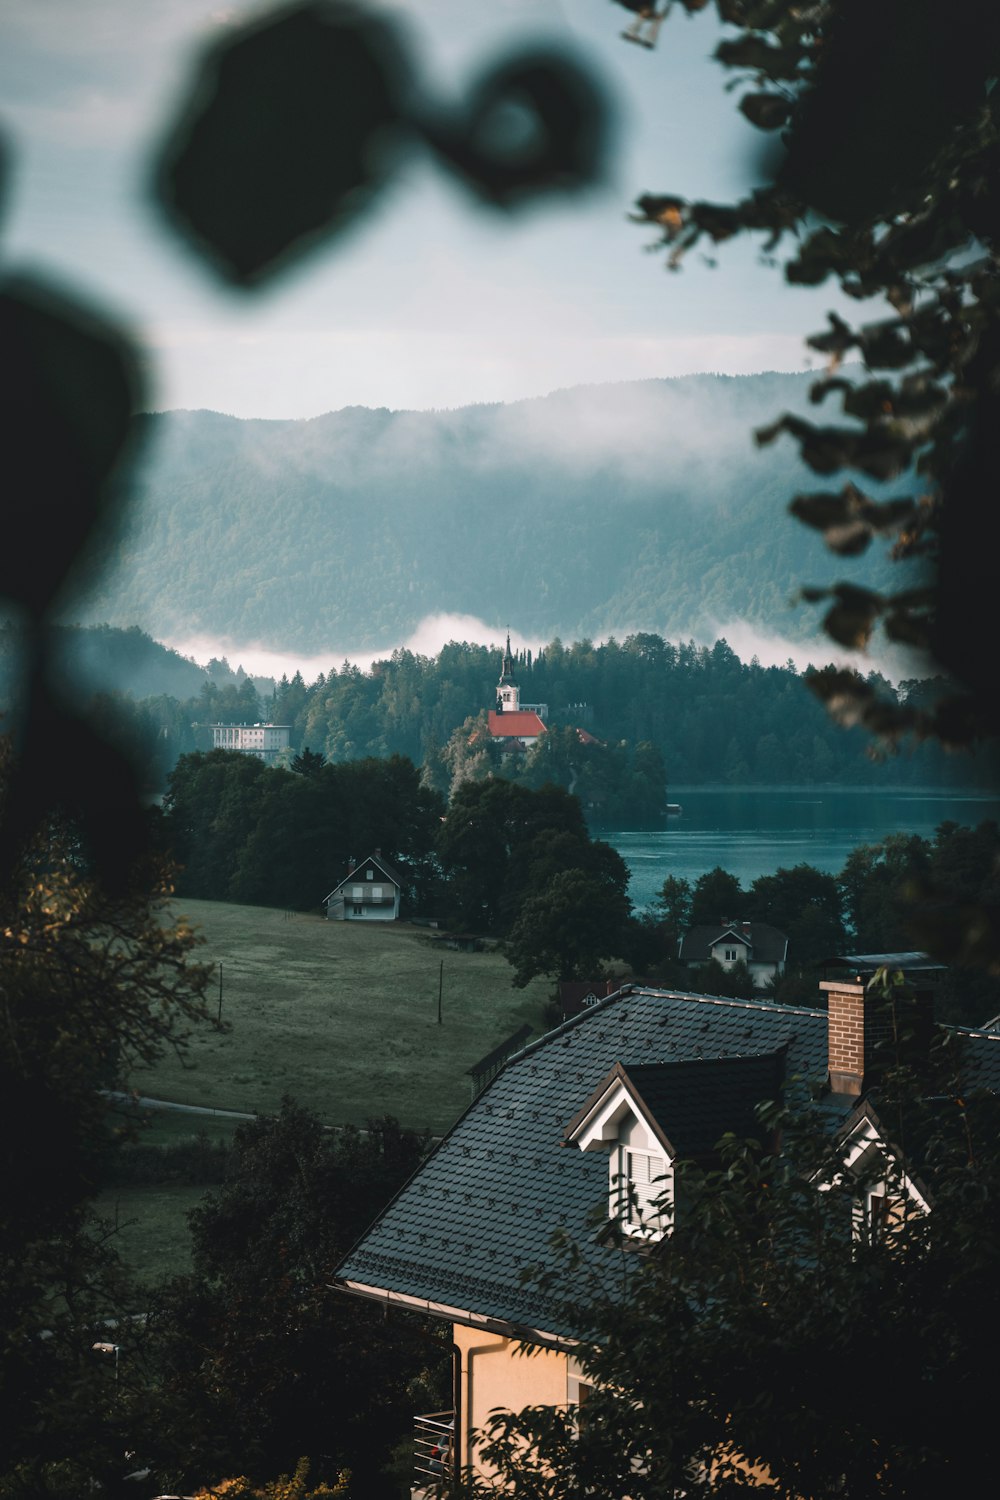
752,832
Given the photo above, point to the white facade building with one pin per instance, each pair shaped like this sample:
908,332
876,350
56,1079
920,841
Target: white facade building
265,741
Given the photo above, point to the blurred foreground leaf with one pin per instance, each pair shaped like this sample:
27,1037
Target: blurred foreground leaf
285,136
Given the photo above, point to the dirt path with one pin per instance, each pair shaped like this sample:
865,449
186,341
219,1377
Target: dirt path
187,1109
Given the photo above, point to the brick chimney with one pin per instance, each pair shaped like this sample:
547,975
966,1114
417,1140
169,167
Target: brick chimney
857,1024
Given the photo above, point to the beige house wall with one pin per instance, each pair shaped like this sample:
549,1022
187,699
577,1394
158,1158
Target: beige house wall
496,1374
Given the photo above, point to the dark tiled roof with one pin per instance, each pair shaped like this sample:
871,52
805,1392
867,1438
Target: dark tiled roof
484,1205
697,1102
768,944
981,1058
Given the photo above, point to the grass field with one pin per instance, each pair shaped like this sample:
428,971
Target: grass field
168,1127
153,1238
343,1017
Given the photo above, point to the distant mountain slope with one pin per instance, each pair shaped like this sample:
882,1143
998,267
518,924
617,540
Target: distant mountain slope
103,659
597,509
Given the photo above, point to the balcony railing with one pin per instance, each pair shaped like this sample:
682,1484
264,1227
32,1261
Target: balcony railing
433,1452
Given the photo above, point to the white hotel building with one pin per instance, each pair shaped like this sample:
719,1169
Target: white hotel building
265,741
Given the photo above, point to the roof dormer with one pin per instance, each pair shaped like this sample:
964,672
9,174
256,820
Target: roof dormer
617,1120
886,1190
648,1115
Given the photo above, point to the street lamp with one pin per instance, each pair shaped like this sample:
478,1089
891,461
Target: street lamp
104,1348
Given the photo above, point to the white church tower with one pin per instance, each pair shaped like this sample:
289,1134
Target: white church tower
508,692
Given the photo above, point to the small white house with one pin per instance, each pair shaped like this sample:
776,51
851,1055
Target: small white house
369,892
760,946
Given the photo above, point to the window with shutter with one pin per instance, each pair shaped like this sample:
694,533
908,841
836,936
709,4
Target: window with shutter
643,1180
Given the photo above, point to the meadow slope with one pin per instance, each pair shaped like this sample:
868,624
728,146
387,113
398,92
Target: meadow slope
341,1016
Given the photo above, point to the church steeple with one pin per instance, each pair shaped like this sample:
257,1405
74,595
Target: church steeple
508,692
507,670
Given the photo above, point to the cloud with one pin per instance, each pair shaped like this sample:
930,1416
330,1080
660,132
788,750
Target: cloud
435,631
330,366
432,633
774,650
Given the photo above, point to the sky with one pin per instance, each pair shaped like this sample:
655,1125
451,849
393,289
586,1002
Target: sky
431,301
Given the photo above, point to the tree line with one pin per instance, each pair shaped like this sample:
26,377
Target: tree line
903,893
711,717
520,864
663,713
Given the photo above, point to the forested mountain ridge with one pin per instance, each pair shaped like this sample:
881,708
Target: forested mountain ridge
678,713
596,510
107,659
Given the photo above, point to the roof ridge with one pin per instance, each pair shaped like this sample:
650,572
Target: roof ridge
768,1005
987,1036
699,1062
629,990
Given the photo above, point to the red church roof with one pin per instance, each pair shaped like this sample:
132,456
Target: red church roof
516,726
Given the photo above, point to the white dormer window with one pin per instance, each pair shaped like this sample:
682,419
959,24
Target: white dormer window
872,1213
885,1193
640,1180
369,874
616,1121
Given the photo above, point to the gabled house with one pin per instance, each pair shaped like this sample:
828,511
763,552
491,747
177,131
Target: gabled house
580,1130
763,948
369,892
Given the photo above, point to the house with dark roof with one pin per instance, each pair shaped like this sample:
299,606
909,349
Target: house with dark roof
370,892
580,1131
760,946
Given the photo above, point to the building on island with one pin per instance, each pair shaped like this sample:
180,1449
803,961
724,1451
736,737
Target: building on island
371,891
265,741
519,724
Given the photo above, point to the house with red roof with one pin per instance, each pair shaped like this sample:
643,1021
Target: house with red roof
519,724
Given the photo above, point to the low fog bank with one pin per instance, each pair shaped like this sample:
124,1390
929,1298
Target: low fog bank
435,631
